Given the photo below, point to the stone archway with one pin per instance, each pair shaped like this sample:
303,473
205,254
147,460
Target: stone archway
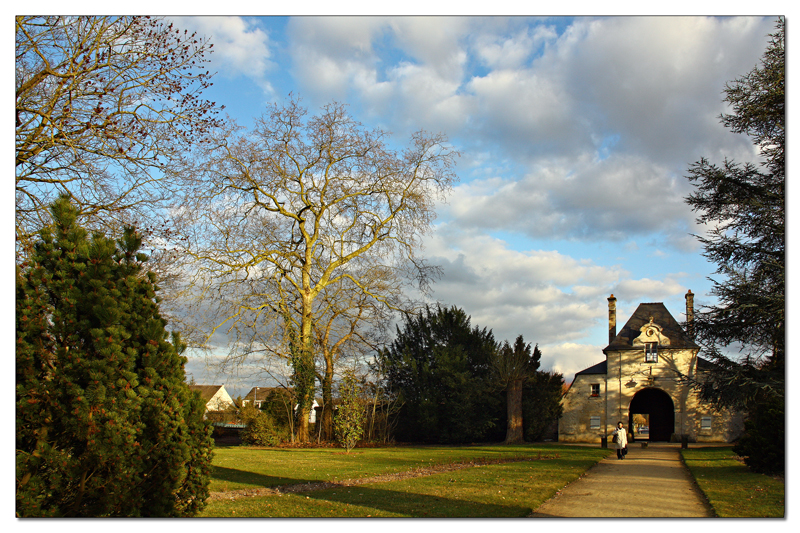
659,405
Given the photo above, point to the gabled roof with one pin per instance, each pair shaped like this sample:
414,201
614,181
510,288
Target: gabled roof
263,392
599,368
206,391
662,317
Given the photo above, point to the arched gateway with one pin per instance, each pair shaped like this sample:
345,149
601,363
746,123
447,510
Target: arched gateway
648,369
660,409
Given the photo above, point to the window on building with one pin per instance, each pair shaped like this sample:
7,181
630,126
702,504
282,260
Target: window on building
705,423
594,422
595,389
651,352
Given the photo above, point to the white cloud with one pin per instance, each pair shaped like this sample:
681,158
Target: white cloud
657,81
524,109
616,199
435,42
329,52
649,290
501,50
405,70
547,296
569,358
240,48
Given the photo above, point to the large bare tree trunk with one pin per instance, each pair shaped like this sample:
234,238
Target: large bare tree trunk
306,392
302,424
514,433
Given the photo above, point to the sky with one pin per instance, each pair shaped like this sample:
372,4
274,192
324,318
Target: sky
576,134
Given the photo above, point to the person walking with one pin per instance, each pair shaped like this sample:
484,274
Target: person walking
621,440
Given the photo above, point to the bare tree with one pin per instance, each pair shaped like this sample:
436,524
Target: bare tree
288,217
351,323
384,406
102,103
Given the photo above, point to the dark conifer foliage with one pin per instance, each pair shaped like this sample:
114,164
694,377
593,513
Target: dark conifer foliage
105,423
440,368
746,206
541,405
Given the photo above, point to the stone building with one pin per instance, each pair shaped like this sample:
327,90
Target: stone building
647,375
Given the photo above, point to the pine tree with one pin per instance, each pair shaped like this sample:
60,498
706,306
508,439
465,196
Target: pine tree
746,204
105,424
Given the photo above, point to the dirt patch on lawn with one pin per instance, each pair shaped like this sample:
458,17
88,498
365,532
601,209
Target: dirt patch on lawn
416,472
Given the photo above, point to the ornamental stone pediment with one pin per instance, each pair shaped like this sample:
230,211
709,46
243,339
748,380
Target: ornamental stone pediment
651,332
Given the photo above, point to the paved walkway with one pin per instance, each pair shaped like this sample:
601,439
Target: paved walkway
649,482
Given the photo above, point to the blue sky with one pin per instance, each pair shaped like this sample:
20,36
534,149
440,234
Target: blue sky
575,132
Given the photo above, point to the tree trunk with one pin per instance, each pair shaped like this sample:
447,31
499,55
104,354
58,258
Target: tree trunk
302,424
514,433
327,404
306,388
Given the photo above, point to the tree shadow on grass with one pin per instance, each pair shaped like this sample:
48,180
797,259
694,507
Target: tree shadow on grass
233,475
417,505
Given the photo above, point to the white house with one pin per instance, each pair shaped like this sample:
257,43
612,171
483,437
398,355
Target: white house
216,397
258,395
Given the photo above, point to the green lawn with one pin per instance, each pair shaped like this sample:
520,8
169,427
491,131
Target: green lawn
510,489
731,488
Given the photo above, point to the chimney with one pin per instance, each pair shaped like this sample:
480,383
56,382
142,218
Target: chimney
612,318
690,314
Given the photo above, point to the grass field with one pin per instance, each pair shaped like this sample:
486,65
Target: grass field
731,488
467,481
506,489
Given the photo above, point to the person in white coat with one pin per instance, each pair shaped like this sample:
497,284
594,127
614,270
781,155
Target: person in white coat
621,440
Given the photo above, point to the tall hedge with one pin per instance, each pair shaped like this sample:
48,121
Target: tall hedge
105,423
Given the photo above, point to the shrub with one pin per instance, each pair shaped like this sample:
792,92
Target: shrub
105,423
763,444
349,418
279,405
261,429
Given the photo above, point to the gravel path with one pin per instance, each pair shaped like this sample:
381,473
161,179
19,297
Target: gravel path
649,482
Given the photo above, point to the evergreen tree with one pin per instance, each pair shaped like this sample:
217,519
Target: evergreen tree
105,423
541,404
512,367
440,369
746,205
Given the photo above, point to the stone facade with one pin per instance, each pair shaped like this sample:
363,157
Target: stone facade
648,370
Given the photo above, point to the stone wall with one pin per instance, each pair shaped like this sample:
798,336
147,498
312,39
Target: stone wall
587,418
579,406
